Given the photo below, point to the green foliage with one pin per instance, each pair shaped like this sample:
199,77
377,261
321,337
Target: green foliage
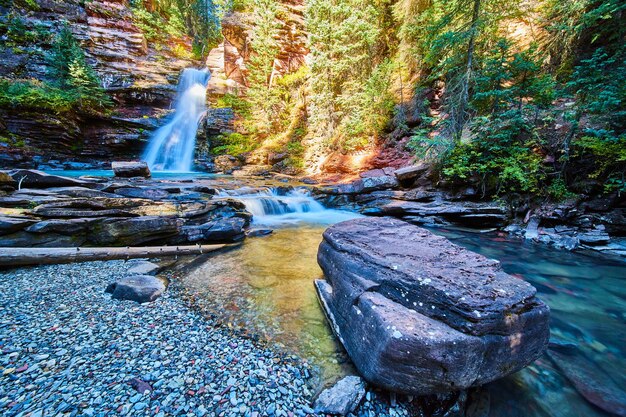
70,71
370,109
580,25
161,20
350,79
265,46
240,106
75,85
598,85
502,155
558,190
609,153
35,95
234,144
19,33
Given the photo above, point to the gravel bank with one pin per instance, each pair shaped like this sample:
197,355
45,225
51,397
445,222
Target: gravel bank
67,348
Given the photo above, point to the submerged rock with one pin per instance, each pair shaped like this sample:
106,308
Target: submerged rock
139,288
589,380
342,398
420,315
131,169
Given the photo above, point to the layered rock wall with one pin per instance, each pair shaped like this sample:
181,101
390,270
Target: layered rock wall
140,79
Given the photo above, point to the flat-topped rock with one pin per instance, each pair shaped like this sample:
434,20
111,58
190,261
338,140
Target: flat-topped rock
421,315
410,172
131,169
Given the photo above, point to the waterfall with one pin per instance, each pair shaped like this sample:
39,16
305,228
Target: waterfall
171,147
277,207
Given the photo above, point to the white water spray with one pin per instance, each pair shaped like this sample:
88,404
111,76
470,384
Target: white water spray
275,208
171,147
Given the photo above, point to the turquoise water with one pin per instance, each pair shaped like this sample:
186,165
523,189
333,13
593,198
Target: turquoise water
265,287
586,293
107,173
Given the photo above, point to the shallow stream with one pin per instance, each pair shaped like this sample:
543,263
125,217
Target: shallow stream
265,288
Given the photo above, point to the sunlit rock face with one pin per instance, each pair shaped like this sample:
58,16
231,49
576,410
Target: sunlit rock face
420,315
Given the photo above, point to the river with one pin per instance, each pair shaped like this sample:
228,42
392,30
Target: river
265,288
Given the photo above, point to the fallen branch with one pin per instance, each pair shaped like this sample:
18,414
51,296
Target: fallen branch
11,257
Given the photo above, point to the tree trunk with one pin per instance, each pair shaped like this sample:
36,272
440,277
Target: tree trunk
459,120
14,257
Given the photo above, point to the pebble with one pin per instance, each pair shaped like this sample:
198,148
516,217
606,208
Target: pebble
82,349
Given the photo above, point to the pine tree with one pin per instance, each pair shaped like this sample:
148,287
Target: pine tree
347,67
264,46
70,70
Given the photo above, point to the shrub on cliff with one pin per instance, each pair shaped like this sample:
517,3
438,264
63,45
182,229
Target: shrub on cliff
71,72
34,94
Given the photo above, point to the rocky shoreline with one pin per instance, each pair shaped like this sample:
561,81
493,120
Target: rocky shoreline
38,209
68,348
412,194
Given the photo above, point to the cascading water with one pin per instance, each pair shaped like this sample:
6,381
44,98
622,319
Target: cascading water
275,207
171,148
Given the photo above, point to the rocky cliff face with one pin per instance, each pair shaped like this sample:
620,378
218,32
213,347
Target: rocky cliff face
292,38
141,80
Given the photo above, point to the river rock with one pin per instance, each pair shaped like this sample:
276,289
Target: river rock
139,288
37,179
220,230
62,226
420,315
374,183
410,173
148,193
13,224
227,163
81,192
469,214
131,169
342,398
134,231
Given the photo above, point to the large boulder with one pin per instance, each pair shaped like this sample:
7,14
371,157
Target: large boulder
420,315
131,169
139,288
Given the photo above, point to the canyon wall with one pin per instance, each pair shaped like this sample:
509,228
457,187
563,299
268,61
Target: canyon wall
140,77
